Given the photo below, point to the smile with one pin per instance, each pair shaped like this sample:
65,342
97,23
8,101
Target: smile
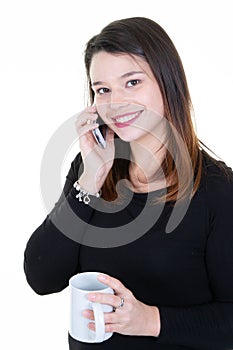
127,119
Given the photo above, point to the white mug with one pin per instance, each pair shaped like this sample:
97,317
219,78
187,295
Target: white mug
81,285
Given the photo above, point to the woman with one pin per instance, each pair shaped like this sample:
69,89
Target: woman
172,291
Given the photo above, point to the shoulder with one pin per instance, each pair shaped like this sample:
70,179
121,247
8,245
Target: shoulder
218,181
216,170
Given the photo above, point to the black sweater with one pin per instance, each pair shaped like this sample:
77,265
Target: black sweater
187,274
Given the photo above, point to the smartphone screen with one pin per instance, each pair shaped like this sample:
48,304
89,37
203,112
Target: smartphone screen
100,133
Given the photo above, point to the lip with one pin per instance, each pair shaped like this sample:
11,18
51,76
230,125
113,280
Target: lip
126,114
122,125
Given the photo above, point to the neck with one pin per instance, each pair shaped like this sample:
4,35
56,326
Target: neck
146,162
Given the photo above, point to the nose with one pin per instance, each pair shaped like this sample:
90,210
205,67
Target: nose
118,100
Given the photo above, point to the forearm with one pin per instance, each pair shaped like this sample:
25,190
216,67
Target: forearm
90,183
206,326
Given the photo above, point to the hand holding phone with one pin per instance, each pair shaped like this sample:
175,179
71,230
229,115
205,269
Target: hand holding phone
97,161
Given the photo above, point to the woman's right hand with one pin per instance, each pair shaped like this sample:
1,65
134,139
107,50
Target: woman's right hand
97,160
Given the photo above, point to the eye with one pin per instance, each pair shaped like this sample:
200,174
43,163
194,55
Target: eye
133,82
102,91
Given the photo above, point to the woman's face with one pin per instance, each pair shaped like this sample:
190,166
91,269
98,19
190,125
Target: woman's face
127,95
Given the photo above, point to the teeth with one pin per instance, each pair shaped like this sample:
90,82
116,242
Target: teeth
127,118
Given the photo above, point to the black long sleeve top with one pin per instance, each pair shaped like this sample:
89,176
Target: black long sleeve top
187,274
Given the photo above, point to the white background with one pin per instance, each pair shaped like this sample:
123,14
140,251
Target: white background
42,85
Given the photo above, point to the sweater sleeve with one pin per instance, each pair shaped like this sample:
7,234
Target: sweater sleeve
51,253
209,326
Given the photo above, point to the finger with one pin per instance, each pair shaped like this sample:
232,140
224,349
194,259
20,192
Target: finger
109,317
86,128
83,117
91,108
88,314
114,283
109,328
103,298
91,326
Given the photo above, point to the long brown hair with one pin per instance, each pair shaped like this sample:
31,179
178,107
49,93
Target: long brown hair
145,38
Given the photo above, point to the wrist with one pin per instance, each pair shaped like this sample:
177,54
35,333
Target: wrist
83,194
154,323
89,185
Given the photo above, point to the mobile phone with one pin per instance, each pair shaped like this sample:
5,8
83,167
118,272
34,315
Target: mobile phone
100,132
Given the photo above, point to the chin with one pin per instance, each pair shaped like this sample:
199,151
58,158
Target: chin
128,137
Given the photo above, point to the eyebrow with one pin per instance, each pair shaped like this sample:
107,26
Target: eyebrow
126,75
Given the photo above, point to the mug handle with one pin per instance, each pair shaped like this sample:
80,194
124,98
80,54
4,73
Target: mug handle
99,322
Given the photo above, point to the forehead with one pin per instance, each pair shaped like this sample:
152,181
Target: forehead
109,66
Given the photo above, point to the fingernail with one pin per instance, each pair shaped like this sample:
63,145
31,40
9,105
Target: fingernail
85,313
102,278
92,296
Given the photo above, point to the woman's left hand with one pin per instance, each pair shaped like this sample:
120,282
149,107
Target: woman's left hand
134,318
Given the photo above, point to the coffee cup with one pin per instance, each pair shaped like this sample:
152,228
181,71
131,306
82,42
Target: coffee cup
80,286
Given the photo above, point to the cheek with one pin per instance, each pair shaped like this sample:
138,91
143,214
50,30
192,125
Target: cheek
153,100
155,105
102,110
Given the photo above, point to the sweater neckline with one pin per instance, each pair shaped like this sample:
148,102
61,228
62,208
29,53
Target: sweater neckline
141,197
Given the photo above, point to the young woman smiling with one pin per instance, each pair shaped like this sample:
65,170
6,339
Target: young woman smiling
172,291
